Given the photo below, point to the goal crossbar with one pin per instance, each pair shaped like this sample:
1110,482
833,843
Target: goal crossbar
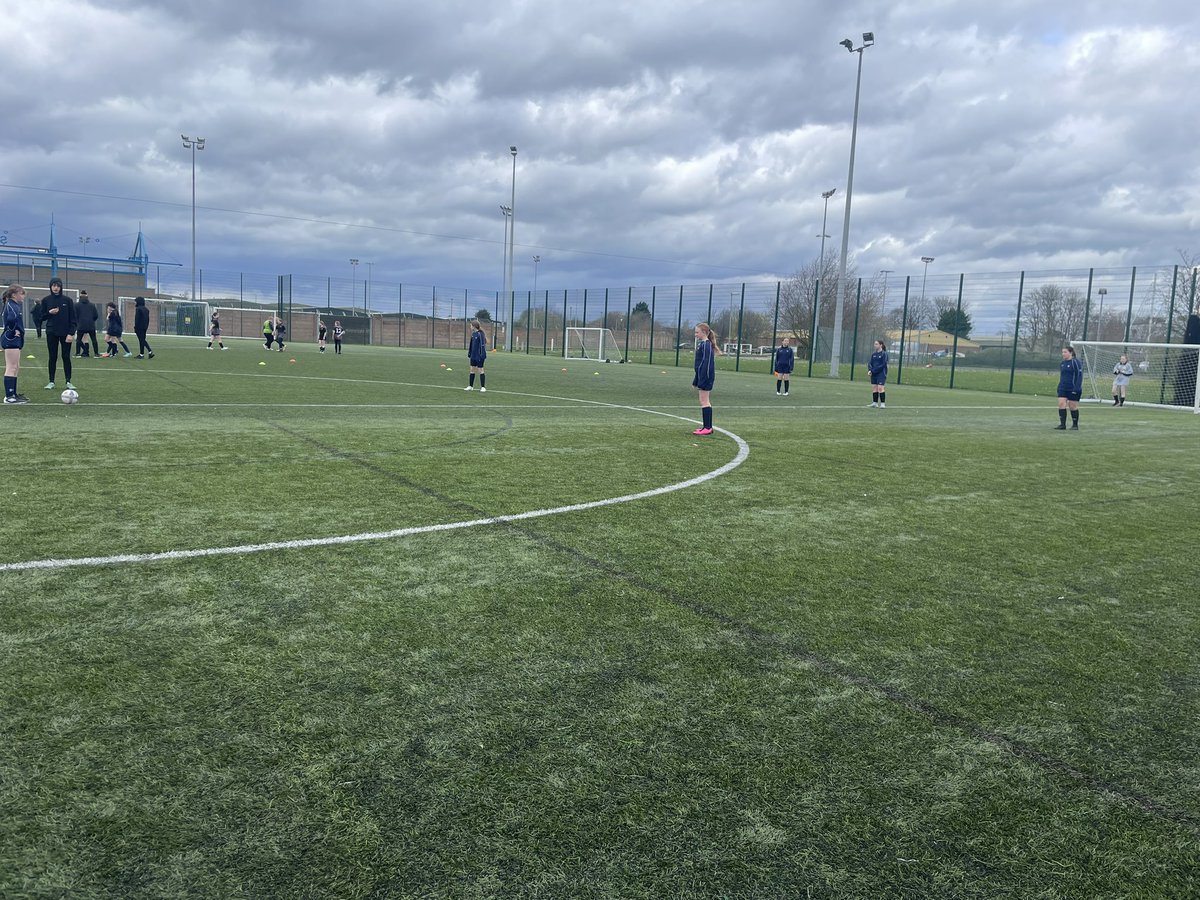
595,344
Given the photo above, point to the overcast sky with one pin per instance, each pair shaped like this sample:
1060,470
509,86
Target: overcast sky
660,142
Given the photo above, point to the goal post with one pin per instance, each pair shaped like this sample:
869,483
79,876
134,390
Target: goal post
1164,375
596,344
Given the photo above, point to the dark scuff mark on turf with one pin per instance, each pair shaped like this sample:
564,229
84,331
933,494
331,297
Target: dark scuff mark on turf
762,641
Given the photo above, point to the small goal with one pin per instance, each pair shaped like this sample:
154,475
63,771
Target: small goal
596,344
1163,374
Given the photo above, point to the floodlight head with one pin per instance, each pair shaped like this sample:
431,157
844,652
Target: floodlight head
829,193
185,137
848,44
354,262
868,38
927,259
199,143
513,150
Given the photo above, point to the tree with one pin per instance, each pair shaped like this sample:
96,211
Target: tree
955,321
796,307
483,315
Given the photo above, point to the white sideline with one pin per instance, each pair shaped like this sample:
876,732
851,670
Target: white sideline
742,454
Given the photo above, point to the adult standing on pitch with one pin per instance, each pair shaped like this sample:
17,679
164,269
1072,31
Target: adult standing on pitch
477,357
12,341
141,325
877,369
214,330
268,331
1122,372
56,313
86,315
1070,388
706,374
785,361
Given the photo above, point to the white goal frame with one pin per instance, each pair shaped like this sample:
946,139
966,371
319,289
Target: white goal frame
594,344
1150,384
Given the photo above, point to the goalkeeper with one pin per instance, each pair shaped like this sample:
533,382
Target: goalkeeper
1122,372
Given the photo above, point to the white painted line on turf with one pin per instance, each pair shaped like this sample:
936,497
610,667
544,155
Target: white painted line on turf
239,550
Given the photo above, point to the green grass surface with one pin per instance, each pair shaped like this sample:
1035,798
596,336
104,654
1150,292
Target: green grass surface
937,650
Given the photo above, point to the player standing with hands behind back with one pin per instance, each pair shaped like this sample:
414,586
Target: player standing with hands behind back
1070,388
785,361
12,340
1122,372
476,357
706,374
877,369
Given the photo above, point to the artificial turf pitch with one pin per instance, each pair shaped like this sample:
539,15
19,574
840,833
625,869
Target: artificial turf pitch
936,650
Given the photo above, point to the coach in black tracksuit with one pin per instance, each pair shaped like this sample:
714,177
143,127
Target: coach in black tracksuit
56,313
86,315
141,324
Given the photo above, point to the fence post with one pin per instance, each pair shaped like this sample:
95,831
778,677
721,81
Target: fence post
629,315
653,304
957,325
604,323
545,322
678,325
1171,312
564,331
1012,369
583,324
400,315
708,318
854,340
903,323
1192,295
1087,304
1129,313
737,363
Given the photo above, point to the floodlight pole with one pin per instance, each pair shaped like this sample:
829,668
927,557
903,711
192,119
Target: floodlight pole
536,260
868,40
512,229
193,144
353,283
1103,292
812,338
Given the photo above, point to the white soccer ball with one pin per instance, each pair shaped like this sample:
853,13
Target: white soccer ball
69,396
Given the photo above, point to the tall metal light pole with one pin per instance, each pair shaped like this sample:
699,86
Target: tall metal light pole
812,338
1103,292
512,230
353,283
927,260
505,269
868,40
536,259
367,289
193,144
885,273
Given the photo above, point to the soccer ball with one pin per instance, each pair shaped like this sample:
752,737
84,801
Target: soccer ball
69,396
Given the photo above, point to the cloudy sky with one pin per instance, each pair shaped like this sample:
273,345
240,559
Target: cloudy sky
662,142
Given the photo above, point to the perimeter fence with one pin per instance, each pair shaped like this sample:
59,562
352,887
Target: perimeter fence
993,331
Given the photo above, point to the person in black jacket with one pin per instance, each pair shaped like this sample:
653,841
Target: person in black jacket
56,313
86,315
141,324
477,357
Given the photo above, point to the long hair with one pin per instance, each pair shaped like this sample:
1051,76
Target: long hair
477,325
13,290
710,336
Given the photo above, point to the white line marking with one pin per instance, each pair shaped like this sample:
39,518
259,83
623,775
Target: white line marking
742,454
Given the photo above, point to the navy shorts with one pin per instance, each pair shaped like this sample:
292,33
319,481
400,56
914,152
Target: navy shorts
880,380
1072,396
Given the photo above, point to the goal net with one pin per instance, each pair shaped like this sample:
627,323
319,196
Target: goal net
596,344
1163,374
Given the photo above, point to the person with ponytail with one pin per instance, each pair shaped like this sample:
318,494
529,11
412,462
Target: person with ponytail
12,339
706,374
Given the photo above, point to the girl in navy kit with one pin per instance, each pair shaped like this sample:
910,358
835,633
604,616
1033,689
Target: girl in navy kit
477,356
785,361
12,340
877,369
706,374
113,332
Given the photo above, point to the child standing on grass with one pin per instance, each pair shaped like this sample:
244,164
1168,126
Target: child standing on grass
706,374
321,335
785,361
877,369
12,340
280,331
1122,372
338,331
476,357
1070,388
112,333
214,330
